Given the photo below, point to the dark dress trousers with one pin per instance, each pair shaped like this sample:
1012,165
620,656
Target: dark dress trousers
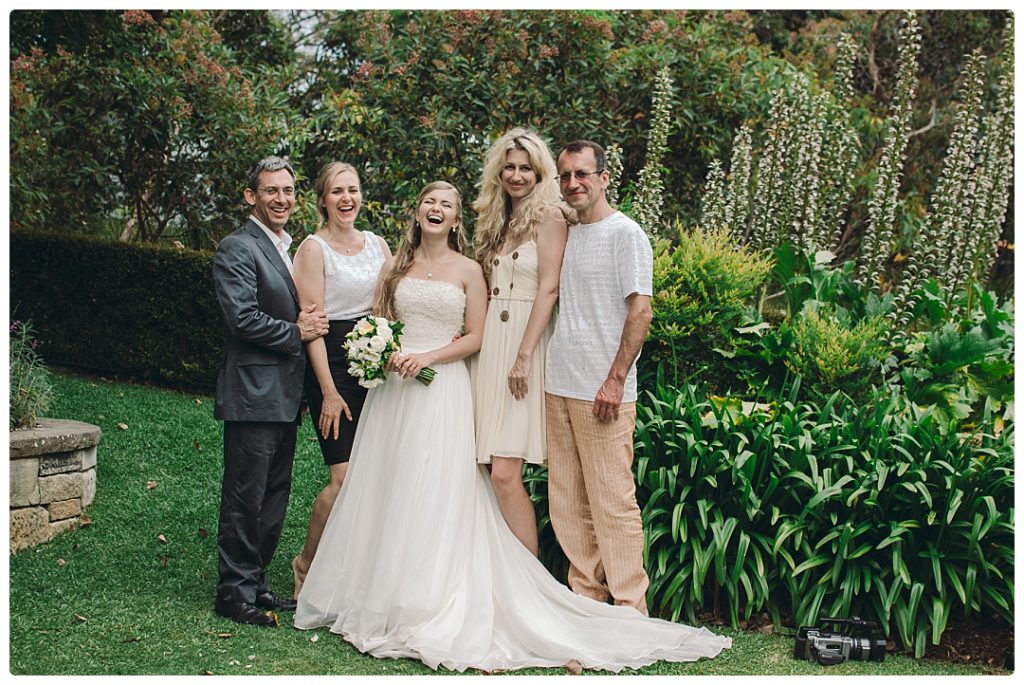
259,389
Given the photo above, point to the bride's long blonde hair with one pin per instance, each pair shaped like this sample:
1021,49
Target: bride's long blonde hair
494,207
384,305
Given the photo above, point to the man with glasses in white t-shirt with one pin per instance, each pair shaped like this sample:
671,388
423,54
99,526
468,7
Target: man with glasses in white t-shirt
590,387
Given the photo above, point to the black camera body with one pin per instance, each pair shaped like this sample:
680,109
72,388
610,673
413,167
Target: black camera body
828,648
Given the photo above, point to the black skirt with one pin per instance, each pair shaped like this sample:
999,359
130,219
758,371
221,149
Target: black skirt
336,451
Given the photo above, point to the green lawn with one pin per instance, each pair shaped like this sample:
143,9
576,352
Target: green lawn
113,598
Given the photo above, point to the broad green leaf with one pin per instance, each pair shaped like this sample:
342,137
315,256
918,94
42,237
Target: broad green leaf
939,616
811,563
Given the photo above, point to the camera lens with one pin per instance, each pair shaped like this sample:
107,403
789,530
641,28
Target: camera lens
867,649
860,648
877,649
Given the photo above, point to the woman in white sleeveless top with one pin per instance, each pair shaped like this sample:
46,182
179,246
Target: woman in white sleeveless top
336,268
520,236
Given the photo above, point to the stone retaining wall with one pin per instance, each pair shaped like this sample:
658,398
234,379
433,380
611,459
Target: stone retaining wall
53,479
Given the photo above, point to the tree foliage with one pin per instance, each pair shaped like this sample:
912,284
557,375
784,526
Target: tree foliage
152,117
141,124
147,131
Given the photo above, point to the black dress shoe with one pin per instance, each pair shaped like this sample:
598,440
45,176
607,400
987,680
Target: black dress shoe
268,600
243,612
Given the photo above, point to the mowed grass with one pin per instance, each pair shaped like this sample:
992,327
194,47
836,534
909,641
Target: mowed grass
114,597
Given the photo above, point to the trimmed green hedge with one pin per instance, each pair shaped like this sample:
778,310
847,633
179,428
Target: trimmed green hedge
138,311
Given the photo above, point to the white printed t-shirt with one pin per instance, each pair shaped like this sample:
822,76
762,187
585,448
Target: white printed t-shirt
604,263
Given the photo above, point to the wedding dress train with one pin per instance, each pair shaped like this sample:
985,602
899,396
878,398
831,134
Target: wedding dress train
416,560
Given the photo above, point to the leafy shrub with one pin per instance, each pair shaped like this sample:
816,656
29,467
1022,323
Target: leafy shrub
807,509
820,326
807,277
965,360
31,383
702,288
136,311
831,355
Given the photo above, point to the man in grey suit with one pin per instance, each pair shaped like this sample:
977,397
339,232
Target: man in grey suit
259,388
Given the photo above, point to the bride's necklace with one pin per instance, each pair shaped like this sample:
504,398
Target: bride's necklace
432,269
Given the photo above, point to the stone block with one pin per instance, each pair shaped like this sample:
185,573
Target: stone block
53,435
60,487
88,487
64,462
53,478
61,526
24,482
89,458
65,509
29,526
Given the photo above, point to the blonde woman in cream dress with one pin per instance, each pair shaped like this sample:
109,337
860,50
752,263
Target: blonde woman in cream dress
520,236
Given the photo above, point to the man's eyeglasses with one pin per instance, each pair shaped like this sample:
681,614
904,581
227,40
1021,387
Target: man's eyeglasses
578,175
271,191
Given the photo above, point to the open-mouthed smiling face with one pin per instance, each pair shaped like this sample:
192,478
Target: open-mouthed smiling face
273,201
437,211
343,199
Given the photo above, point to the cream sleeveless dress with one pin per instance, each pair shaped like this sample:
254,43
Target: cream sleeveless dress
505,426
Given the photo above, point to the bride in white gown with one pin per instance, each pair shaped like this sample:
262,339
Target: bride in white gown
416,559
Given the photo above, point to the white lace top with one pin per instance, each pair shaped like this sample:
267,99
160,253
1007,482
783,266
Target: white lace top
433,312
349,279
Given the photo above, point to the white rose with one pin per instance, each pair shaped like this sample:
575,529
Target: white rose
381,322
364,327
386,333
371,383
377,344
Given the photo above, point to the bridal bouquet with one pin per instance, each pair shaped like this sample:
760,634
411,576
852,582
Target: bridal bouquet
369,345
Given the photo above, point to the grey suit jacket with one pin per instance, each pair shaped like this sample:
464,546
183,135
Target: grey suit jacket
260,378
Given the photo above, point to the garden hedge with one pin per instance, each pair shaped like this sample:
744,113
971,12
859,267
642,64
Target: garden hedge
128,310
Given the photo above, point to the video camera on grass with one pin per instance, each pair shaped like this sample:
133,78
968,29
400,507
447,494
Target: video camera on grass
815,644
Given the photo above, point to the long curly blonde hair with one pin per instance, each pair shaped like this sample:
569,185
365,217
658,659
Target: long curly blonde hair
384,305
496,225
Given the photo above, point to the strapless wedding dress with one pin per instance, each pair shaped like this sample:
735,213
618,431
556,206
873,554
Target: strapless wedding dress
416,560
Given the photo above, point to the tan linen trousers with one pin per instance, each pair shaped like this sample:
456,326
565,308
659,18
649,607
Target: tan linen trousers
592,501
